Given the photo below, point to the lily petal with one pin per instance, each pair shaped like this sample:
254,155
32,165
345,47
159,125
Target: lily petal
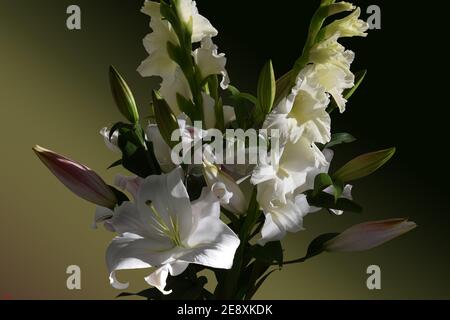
158,278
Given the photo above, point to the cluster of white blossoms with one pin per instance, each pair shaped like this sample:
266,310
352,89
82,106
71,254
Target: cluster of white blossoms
162,229
221,215
160,63
302,120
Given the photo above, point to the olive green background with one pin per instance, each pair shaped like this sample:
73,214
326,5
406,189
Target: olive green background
54,92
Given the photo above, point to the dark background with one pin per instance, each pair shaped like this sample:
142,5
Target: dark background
54,91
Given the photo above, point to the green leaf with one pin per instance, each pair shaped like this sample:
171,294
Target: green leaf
165,119
270,253
183,288
328,201
175,53
123,96
186,106
233,90
338,189
266,88
121,197
359,78
244,105
321,182
137,155
340,138
283,86
115,164
364,165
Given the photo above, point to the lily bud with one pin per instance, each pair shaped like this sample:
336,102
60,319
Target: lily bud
368,235
123,96
364,165
267,88
81,180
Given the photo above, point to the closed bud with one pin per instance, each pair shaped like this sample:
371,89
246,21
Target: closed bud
81,180
364,165
123,96
267,88
368,235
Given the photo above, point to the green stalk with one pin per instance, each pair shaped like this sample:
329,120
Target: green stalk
228,287
317,21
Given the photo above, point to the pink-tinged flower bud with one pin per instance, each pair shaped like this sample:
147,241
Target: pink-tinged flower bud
81,180
368,235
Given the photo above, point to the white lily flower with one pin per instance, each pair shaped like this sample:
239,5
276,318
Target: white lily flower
350,26
113,143
129,184
163,229
211,62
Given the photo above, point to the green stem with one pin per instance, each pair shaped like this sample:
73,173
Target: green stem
314,29
228,287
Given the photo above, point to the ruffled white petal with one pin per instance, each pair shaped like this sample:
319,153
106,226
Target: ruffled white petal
158,278
210,62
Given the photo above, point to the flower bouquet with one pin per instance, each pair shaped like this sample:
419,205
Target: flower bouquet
220,176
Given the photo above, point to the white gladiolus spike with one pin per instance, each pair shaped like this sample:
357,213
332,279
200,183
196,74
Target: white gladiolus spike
159,63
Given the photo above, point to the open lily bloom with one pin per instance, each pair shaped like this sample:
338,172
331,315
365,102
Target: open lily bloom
163,229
